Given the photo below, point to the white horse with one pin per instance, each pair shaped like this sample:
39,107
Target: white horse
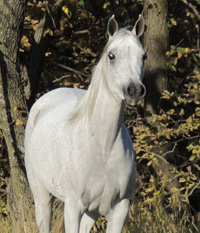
76,145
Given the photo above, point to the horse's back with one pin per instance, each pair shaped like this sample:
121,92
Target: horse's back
66,97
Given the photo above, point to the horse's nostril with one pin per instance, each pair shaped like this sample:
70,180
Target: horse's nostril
131,91
139,90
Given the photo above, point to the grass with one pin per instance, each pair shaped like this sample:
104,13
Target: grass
5,224
141,219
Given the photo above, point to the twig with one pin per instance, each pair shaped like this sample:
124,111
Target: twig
157,155
171,151
193,189
71,70
61,78
81,32
196,12
192,7
67,68
52,19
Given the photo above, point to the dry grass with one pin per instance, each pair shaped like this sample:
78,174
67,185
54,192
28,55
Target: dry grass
141,220
5,224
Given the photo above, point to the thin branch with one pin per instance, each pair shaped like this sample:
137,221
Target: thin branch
81,32
171,151
193,7
67,68
61,78
52,19
157,155
191,192
70,69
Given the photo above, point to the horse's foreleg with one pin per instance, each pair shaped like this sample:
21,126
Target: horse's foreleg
87,222
117,217
72,216
43,213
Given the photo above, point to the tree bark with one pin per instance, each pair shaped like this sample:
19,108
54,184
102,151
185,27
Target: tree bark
156,42
13,115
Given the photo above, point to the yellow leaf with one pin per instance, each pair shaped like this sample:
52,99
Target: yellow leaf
137,151
187,50
105,5
65,9
58,2
149,163
196,86
40,4
188,14
174,190
168,54
30,3
155,160
182,180
182,112
28,18
179,54
149,190
47,54
192,158
173,21
25,42
48,31
76,85
171,111
15,109
19,122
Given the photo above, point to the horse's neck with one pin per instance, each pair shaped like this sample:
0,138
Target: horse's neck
107,117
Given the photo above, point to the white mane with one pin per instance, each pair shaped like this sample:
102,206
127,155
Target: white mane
86,104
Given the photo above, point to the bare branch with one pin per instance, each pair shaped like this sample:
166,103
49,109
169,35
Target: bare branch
61,78
193,7
81,32
70,69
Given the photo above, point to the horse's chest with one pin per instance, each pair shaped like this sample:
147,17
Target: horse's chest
98,176
105,186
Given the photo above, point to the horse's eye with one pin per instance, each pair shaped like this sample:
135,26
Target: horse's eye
144,56
111,56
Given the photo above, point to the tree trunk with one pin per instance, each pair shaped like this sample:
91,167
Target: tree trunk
13,115
156,40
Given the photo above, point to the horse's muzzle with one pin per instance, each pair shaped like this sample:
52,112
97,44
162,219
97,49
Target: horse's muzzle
135,94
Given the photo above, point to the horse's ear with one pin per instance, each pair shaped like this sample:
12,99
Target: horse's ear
112,26
139,27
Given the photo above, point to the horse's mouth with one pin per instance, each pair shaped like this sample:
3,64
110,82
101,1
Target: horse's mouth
134,101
